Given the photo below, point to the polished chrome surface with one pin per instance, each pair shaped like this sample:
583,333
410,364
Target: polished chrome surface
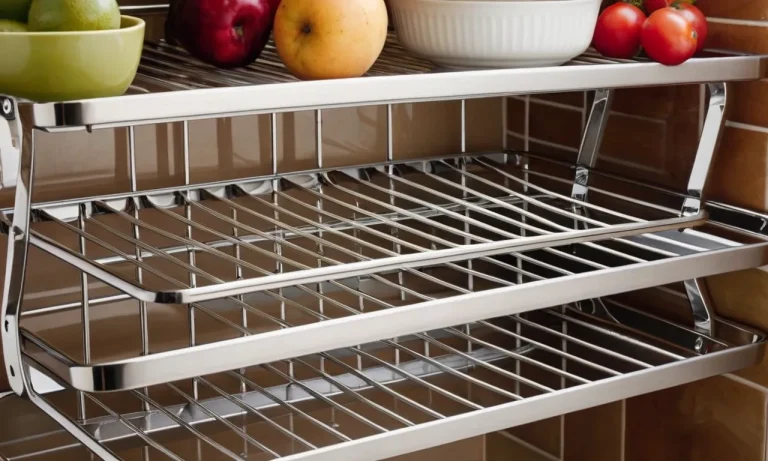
11,135
710,138
591,142
16,260
434,195
337,407
460,226
172,86
698,293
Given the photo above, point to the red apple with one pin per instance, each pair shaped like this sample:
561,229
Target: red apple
224,33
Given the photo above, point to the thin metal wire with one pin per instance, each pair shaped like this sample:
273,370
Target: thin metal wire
425,213
197,433
85,310
253,411
242,433
344,388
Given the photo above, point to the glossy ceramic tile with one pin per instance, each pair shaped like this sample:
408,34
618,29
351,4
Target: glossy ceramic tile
740,170
712,420
735,9
743,297
746,102
503,447
555,124
574,99
595,434
738,37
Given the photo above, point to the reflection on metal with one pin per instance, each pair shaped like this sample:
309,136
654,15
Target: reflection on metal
698,296
591,142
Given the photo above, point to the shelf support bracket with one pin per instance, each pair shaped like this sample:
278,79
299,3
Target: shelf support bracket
696,290
587,159
15,137
591,141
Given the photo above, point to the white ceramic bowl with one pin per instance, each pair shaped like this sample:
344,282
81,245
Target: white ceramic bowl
495,33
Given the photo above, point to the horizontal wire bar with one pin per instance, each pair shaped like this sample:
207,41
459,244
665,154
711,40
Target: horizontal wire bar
251,410
152,403
239,431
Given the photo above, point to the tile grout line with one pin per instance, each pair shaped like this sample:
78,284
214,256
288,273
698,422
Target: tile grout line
528,139
504,123
746,382
539,451
746,126
623,432
737,22
527,125
702,107
544,102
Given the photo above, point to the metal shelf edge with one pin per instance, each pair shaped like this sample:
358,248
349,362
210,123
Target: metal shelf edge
293,96
281,280
350,331
534,409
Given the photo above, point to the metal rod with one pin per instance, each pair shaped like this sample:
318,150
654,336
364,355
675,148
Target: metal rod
85,310
251,410
195,403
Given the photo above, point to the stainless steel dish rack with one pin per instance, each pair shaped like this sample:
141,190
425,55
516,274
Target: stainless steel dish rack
368,312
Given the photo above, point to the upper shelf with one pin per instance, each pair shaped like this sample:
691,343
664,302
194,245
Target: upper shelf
172,86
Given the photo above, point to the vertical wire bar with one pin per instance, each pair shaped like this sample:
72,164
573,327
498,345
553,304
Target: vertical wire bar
191,257
393,230
279,232
240,298
504,128
143,319
563,382
465,196
360,299
85,313
320,249
278,248
523,219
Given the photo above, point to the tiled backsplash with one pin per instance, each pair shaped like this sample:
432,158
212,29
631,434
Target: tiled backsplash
651,135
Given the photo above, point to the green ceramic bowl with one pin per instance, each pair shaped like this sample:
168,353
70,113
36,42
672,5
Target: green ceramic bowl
62,66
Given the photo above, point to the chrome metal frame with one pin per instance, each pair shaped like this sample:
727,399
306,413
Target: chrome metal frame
616,361
172,87
264,89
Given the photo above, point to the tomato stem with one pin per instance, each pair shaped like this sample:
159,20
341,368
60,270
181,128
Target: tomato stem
637,3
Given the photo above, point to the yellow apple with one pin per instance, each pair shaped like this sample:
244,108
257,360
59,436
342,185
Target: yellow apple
321,39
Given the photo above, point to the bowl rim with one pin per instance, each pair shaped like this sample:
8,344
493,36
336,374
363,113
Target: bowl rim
133,23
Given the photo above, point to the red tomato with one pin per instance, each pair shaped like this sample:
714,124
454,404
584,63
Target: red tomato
668,37
653,5
617,34
699,21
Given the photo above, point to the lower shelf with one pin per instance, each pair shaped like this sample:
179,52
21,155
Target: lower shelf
389,398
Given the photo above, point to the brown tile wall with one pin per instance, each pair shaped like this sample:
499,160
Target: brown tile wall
652,135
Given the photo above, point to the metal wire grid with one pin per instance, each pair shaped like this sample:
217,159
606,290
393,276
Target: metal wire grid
168,68
209,237
325,401
316,226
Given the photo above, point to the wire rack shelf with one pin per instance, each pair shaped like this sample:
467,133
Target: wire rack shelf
340,258
423,390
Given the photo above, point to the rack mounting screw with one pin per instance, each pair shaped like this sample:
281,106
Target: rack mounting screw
7,109
699,344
